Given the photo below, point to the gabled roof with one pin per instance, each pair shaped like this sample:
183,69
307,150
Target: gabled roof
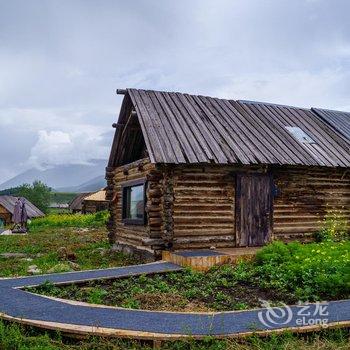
182,128
77,202
340,121
8,202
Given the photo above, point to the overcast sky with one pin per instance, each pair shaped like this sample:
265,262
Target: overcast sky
61,61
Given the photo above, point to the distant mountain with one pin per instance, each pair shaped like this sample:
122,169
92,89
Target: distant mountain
94,184
61,176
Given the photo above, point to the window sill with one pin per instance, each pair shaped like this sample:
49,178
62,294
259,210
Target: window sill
137,222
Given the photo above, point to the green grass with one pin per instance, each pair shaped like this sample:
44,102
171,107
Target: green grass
69,220
15,337
58,211
87,247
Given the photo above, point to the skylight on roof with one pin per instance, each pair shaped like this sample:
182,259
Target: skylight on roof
299,134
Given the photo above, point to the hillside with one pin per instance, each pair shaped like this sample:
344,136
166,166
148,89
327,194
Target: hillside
61,176
91,185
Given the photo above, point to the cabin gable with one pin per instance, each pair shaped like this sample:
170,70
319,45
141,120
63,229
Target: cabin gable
128,143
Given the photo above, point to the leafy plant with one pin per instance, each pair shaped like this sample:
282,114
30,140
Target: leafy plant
310,271
335,227
96,295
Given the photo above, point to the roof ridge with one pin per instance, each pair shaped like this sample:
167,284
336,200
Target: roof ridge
238,100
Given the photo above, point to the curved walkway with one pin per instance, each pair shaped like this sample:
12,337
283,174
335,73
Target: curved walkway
82,318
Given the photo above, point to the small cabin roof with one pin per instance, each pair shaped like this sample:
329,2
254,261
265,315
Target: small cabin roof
99,196
8,202
77,202
178,128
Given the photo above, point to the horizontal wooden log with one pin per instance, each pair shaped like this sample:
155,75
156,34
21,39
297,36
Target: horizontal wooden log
204,239
152,241
154,193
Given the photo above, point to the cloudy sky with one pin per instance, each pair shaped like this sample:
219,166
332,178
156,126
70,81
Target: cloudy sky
61,61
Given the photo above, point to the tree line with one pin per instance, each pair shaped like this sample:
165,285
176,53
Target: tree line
37,193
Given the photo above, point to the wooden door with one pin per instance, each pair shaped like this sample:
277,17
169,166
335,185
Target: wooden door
253,209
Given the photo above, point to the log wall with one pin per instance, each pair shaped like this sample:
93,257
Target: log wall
203,208
194,206
94,206
305,196
143,237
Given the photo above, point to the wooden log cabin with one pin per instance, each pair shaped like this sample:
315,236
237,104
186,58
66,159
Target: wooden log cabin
193,172
95,202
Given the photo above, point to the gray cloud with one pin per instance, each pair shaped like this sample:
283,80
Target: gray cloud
61,61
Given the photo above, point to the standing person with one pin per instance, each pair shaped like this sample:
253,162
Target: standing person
24,215
20,216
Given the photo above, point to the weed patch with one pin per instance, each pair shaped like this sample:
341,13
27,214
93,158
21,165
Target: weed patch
69,220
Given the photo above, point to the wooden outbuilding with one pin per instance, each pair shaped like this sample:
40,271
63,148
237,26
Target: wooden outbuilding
7,206
76,205
189,172
95,202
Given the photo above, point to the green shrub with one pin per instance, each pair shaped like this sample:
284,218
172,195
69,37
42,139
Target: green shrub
335,227
96,296
70,220
309,271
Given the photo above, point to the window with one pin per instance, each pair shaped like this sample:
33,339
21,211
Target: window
134,202
299,134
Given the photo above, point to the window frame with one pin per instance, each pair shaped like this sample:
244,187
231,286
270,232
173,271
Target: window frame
124,187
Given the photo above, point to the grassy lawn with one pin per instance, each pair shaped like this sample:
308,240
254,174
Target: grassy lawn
279,273
56,244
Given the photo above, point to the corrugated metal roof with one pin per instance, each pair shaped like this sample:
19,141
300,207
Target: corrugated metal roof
8,202
183,128
340,121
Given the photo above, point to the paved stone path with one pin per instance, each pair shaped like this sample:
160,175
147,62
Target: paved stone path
36,309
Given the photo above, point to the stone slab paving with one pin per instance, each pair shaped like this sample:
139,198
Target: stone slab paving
20,304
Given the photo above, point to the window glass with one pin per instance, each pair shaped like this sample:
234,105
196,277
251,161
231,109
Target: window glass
134,202
300,134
